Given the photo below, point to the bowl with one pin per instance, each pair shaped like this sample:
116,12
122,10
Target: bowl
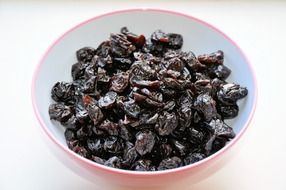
199,36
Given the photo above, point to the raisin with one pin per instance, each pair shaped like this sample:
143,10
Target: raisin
131,108
144,142
96,146
228,111
113,145
107,101
159,37
98,159
230,93
63,92
119,82
78,70
193,158
170,163
109,127
213,58
143,165
114,162
141,103
130,156
85,54
175,41
120,46
206,105
167,122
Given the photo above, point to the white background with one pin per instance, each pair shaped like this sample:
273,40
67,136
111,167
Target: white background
27,28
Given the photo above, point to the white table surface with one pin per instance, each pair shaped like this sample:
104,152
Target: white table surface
27,28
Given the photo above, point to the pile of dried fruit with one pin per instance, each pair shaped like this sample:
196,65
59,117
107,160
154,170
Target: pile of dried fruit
145,105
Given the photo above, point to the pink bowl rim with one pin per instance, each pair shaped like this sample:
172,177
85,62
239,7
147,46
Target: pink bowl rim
92,164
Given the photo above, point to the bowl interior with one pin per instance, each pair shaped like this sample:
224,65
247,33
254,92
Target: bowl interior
198,37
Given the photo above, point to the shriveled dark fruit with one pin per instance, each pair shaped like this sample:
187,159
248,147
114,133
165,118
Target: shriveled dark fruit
179,133
159,37
155,96
169,73
78,70
228,111
201,76
165,150
143,104
230,93
175,41
98,159
185,110
95,146
109,127
148,118
217,84
219,71
119,82
195,136
167,122
81,114
87,100
145,101
104,53
193,158
91,69
168,93
145,83
71,123
170,163
85,54
102,77
69,135
173,83
131,108
145,141
98,131
122,63
212,58
138,41
114,145
83,133
114,162
80,150
120,46
181,147
72,143
169,106
130,155
220,129
107,101
89,85
124,132
141,71
209,144
192,62
95,113
143,165
203,86
63,92
174,62
206,105
60,112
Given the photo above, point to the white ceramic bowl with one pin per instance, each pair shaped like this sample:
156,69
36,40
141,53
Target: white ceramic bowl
199,37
